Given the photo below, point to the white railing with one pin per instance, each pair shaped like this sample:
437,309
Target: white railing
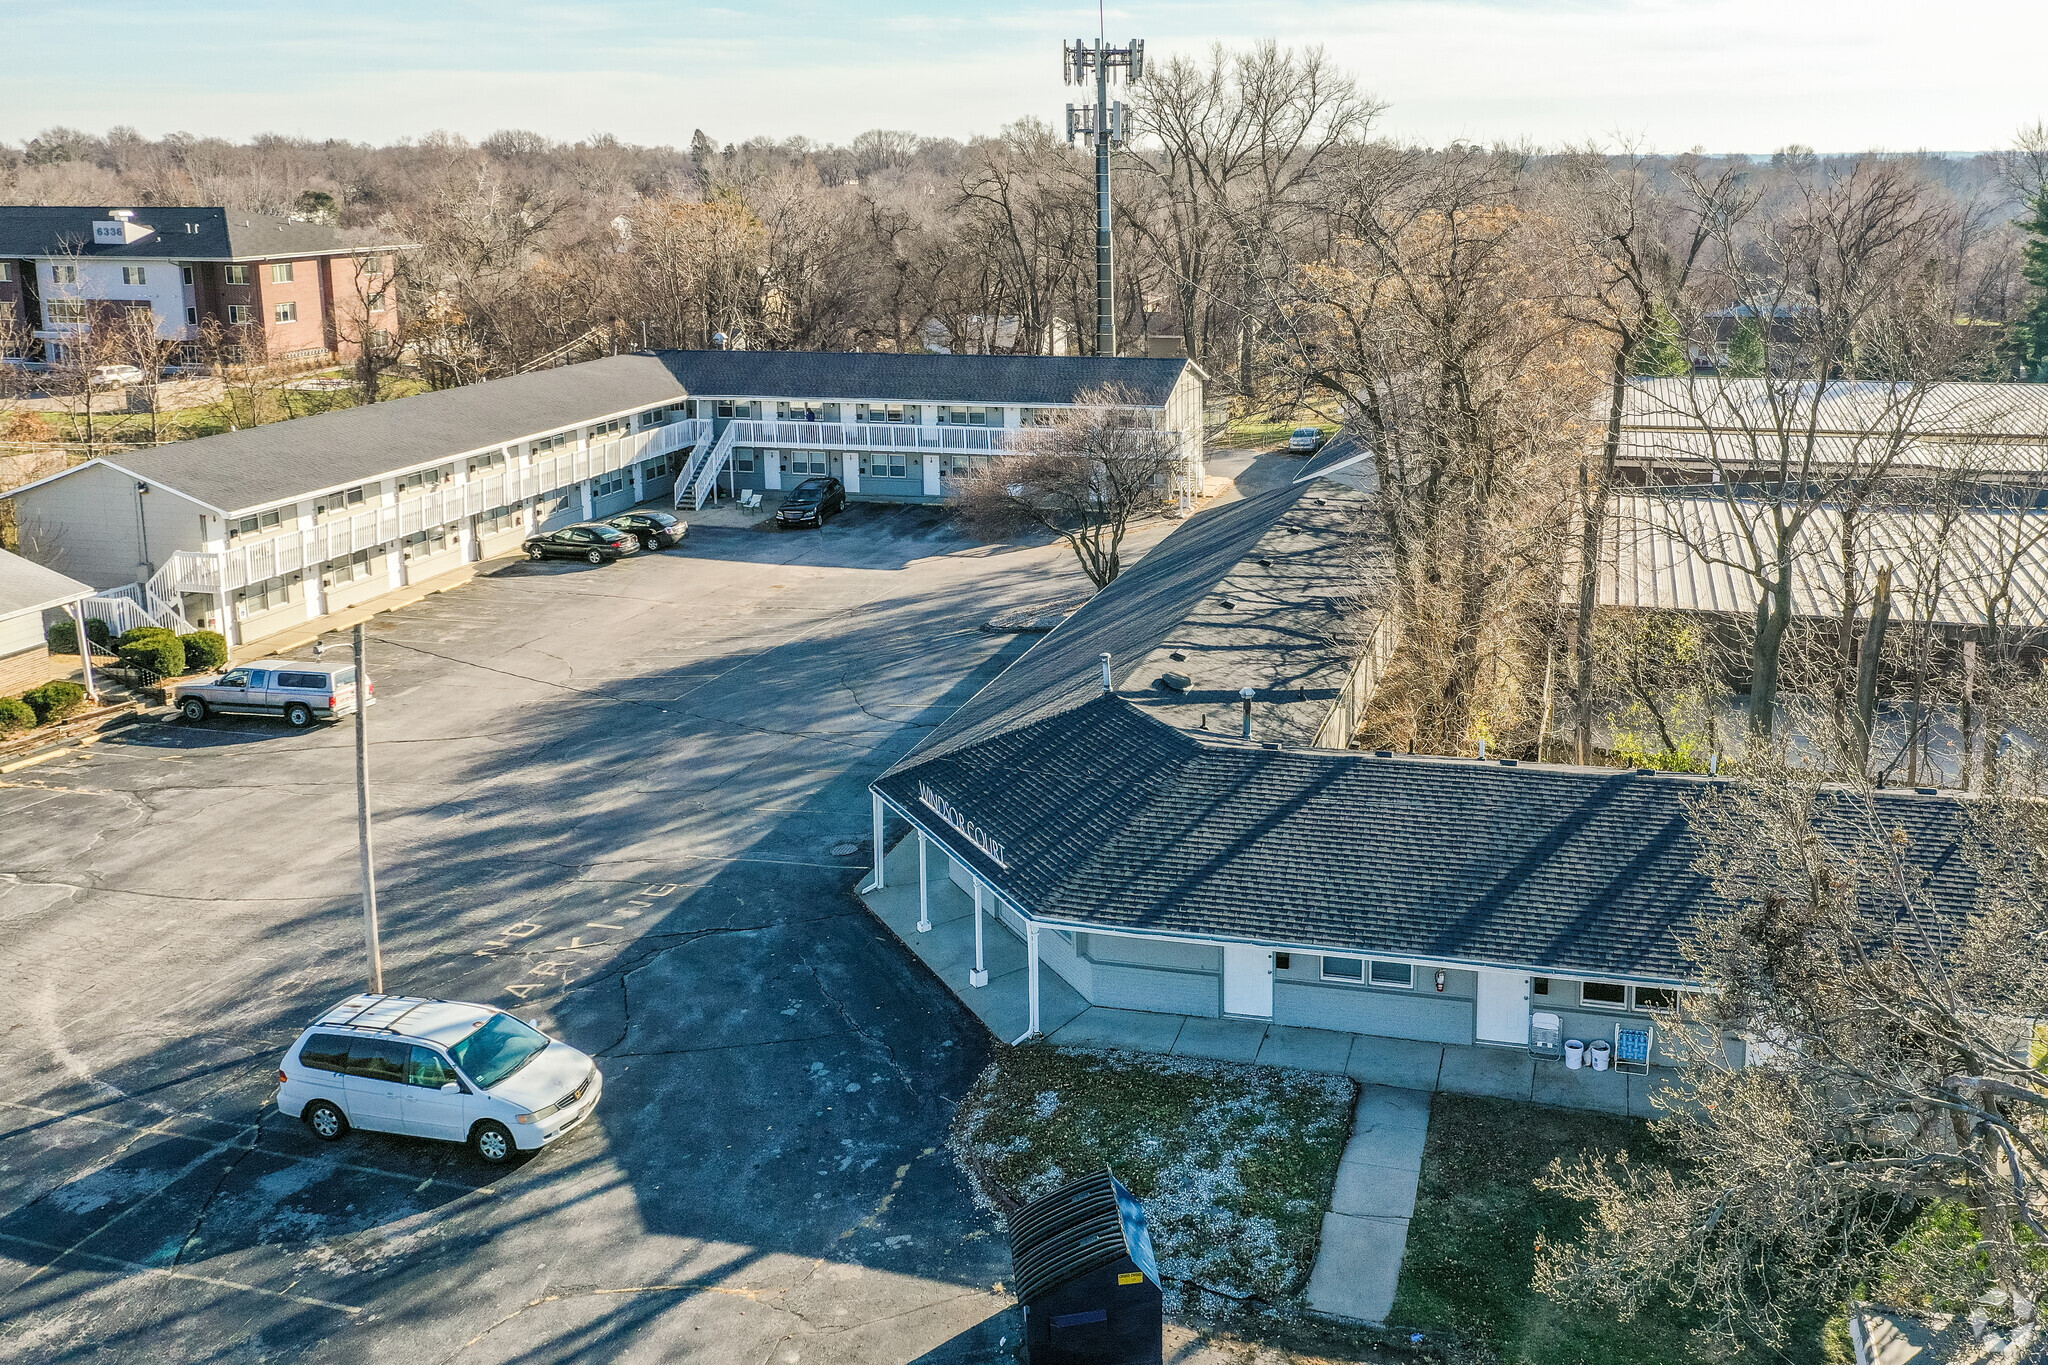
157,602
700,478
249,560
872,436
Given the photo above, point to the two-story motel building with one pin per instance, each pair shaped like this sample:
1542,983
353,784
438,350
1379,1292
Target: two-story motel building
255,531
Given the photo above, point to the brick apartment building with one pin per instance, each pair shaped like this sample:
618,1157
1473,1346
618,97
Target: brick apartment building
312,292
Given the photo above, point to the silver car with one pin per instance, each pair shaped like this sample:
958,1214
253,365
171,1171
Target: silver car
300,692
1305,440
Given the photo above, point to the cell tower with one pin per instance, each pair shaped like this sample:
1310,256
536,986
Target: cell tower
1103,122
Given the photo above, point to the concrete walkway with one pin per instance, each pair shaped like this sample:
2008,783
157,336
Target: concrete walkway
1366,1229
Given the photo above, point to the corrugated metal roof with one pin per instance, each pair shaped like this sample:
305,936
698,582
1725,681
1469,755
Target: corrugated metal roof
1684,550
1843,407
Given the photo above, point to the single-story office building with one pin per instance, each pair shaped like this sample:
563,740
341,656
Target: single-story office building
255,531
1105,800
30,597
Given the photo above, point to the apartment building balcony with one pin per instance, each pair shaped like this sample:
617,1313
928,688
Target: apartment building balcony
873,436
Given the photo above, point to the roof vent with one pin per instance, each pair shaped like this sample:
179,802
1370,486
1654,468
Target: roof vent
1175,682
1227,603
1265,563
1382,753
1178,657
1108,685
1647,772
1510,763
1928,791
1269,744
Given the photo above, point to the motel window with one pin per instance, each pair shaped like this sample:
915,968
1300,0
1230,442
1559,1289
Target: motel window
609,484
1539,985
280,272
263,521
288,311
743,459
185,274
963,417
357,565
884,412
884,464
499,519
1656,998
1396,974
490,459
560,438
1034,417
607,428
235,274
64,274
420,544
728,408
134,274
240,314
264,596
1603,995
1351,969
806,462
6,271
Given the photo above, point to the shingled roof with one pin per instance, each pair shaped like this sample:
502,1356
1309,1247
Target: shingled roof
1107,815
1028,380
181,234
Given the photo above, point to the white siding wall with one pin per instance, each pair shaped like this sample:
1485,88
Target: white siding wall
97,517
162,288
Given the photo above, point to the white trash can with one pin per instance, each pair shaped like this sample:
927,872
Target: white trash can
1574,1054
1601,1052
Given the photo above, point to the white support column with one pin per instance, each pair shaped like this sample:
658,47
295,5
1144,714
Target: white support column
1031,975
77,614
880,852
979,976
924,890
224,597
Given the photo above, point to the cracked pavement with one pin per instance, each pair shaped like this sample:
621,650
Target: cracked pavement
605,797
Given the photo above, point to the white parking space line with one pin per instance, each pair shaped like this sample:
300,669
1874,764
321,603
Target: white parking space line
159,1130
137,1268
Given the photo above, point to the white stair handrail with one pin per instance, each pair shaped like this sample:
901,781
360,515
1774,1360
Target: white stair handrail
707,476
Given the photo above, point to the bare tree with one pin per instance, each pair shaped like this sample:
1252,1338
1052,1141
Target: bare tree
1086,477
1890,1063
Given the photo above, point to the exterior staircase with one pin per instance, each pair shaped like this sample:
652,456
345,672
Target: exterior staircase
699,479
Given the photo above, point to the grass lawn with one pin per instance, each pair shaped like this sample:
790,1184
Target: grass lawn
1472,1243
1265,435
1235,1164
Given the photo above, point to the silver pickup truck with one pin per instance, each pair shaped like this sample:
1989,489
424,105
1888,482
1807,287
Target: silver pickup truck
300,692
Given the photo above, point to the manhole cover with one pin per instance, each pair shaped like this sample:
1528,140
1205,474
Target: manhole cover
844,850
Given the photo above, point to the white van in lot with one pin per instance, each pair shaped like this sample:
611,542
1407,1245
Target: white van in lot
436,1069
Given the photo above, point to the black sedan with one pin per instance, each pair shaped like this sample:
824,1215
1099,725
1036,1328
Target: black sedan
811,501
588,540
654,530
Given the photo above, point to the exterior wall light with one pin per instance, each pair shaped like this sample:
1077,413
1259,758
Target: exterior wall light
1441,980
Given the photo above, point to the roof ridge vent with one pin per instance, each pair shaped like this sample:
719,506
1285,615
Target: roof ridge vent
1108,684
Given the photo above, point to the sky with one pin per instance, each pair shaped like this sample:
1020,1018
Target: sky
1726,75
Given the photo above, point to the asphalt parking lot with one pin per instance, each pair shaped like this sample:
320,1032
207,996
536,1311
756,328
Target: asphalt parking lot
629,800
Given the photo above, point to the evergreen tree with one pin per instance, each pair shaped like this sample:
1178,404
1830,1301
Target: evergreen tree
2030,332
1659,353
1746,351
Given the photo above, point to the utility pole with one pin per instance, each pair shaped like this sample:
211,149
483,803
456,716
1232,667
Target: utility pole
1104,123
363,817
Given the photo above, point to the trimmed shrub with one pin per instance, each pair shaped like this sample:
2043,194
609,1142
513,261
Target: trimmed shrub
162,654
141,633
54,700
63,637
206,651
15,714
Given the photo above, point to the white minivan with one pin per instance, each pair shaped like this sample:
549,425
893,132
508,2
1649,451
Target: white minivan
436,1069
